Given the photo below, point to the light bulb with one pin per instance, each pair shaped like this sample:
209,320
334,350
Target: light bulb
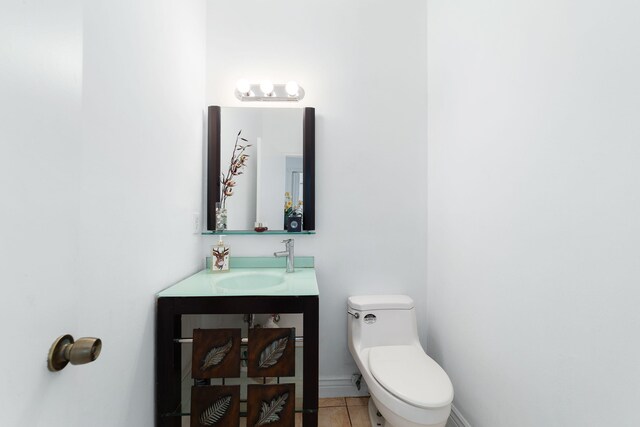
243,86
292,88
266,87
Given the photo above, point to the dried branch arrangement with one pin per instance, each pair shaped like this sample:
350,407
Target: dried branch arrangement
238,162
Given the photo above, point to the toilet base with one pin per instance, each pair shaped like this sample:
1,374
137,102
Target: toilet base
374,416
377,420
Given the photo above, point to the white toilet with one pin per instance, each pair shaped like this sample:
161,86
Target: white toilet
407,387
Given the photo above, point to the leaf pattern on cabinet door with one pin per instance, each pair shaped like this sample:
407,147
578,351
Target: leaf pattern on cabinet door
215,356
269,412
272,354
215,412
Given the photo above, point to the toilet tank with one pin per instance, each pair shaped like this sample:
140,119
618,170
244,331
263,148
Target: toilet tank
381,320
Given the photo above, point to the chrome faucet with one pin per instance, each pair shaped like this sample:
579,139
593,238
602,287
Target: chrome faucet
288,252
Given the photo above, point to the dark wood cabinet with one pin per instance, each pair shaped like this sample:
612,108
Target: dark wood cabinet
170,310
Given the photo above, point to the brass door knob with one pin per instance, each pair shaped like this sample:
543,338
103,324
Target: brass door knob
65,350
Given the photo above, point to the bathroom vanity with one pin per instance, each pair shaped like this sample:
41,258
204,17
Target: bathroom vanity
254,285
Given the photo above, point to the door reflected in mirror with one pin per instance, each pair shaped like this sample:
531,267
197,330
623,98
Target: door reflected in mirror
276,179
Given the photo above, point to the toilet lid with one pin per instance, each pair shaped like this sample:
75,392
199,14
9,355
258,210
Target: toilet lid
410,375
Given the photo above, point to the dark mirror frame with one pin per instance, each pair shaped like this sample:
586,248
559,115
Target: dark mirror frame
308,166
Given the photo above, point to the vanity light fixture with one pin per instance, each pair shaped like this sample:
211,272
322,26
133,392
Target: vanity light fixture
267,88
244,87
267,91
292,88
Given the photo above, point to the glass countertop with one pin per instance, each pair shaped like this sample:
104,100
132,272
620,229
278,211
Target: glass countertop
247,281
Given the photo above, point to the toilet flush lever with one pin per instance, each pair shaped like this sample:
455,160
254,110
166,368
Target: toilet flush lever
356,315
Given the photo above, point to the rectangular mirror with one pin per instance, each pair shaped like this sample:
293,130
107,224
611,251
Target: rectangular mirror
279,169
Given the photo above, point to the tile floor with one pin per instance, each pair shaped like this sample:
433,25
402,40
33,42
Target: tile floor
337,412
343,412
346,412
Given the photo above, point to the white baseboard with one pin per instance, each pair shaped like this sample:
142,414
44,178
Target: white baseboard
456,419
340,387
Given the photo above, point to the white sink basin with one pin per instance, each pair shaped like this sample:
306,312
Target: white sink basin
251,281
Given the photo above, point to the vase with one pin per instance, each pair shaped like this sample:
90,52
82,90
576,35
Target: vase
221,217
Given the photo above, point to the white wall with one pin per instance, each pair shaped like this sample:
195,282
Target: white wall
362,65
101,154
40,99
533,209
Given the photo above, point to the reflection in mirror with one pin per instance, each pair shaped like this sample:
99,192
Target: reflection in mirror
294,178
279,135
278,172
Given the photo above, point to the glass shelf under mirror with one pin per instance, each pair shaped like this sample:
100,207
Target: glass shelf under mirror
254,233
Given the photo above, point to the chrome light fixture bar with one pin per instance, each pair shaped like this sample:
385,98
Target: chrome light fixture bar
267,91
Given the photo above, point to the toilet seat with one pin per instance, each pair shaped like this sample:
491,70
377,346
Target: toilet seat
410,375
